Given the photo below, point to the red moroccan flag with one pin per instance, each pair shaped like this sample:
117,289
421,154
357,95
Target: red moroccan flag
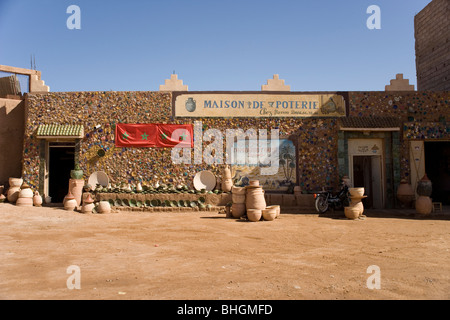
173,135
154,135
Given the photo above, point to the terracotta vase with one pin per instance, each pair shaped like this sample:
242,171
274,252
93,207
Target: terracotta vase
13,194
226,174
405,193
352,212
37,199
254,215
227,184
88,204
424,187
269,214
237,210
76,189
424,205
26,192
254,198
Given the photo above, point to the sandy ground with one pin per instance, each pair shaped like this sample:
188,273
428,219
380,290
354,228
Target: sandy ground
203,255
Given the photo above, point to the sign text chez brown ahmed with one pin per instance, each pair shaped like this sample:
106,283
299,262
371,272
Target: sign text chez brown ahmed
225,105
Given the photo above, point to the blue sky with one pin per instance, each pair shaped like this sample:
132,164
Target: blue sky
321,45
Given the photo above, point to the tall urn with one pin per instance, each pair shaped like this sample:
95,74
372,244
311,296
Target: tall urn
254,198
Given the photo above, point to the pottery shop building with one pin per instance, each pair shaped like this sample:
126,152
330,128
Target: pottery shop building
375,138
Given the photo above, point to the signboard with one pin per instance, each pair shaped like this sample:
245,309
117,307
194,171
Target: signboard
223,105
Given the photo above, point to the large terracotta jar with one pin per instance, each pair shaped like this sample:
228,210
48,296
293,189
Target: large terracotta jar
424,187
104,207
76,189
424,205
405,193
13,194
15,182
352,212
254,198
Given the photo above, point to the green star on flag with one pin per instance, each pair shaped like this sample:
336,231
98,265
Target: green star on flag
183,137
163,136
144,136
125,135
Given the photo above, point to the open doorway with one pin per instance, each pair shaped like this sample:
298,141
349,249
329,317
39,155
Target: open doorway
437,168
367,173
61,162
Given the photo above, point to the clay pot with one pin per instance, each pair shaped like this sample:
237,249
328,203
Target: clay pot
227,184
356,192
37,199
357,205
405,193
70,203
277,208
226,174
87,208
352,212
237,210
424,187
238,190
15,182
13,194
48,199
24,202
26,193
104,207
254,198
424,205
269,214
238,198
76,174
254,183
254,215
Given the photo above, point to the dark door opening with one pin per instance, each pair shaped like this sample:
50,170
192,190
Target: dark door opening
437,168
362,177
61,162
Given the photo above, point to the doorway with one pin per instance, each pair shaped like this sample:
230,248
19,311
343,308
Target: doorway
61,162
367,173
437,168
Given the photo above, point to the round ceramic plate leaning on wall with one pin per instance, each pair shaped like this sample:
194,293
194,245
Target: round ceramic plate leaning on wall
98,177
204,180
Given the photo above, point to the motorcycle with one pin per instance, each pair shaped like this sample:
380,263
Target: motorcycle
325,200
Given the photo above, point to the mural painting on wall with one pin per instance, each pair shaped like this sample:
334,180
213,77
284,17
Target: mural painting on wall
282,180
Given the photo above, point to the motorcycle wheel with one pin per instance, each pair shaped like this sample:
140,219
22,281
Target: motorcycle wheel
321,204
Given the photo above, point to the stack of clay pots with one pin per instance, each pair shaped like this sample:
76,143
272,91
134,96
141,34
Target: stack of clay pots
227,181
424,204
238,206
356,208
70,202
88,204
14,189
254,201
25,198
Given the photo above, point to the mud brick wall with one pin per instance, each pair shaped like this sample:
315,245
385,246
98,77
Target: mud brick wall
431,31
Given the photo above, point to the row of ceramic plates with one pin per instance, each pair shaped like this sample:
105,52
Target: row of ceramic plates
156,203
